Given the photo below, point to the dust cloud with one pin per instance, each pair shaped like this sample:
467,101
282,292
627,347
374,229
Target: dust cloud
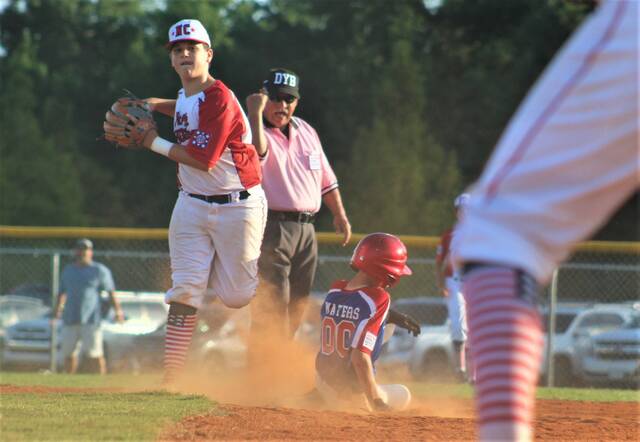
268,369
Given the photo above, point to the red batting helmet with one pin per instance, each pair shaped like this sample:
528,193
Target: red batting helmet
381,256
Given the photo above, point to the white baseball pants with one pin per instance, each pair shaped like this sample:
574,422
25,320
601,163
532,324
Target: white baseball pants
568,158
457,308
214,249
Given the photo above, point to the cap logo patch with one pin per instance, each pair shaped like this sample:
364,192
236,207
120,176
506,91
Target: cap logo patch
281,78
184,29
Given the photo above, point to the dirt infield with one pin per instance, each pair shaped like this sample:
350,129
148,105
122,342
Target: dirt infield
444,419
557,420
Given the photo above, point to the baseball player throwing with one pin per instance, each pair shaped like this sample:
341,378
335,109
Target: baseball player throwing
565,163
217,223
353,317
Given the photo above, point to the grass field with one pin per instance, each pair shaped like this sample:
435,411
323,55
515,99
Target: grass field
141,415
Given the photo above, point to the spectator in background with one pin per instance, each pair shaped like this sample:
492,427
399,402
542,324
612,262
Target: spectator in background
79,307
297,179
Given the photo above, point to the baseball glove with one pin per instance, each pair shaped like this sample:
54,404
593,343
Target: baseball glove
128,122
403,321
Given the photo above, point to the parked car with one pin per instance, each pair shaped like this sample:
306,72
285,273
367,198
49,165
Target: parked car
37,290
428,356
28,343
614,356
563,345
15,308
570,345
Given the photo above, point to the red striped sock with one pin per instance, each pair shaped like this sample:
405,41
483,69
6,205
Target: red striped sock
506,347
179,332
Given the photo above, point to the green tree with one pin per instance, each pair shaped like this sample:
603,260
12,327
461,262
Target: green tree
39,184
400,180
483,57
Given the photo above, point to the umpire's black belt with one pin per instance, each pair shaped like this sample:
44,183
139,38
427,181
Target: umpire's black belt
222,199
299,217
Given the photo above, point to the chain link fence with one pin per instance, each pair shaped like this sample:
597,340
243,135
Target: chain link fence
599,275
139,260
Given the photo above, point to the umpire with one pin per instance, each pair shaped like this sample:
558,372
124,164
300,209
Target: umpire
297,178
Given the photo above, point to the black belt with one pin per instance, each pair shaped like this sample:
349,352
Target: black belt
299,217
220,199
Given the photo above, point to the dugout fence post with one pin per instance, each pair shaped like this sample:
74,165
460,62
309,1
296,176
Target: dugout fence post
551,328
55,285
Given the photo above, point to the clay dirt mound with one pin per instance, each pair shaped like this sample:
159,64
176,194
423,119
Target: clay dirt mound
442,419
556,420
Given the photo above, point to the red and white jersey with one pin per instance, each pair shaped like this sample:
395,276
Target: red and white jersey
213,127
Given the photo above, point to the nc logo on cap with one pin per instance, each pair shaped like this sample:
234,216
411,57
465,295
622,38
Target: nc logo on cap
284,79
188,29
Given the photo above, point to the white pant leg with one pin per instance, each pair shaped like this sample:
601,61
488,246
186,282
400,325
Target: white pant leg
237,236
568,158
457,308
191,250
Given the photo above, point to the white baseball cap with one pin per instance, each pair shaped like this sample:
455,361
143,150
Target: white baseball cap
188,29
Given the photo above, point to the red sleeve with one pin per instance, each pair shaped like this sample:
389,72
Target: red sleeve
443,247
367,336
220,125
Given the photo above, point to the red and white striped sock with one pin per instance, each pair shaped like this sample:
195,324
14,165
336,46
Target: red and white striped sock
506,347
179,332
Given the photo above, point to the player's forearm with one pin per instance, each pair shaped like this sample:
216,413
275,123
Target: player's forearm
173,151
257,133
363,367
162,105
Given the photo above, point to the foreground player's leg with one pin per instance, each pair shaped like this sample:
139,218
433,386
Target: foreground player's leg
506,346
180,325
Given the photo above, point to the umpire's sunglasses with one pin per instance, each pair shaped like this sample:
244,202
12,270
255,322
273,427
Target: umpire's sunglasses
282,97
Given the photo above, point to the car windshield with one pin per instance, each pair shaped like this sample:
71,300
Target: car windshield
563,321
601,321
425,314
15,310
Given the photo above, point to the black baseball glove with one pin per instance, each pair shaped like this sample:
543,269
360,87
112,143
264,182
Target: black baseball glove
403,321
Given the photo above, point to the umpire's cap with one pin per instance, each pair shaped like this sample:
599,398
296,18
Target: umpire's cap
283,81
